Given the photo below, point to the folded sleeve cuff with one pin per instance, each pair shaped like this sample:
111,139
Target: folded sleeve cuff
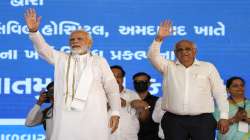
157,43
32,34
224,115
115,113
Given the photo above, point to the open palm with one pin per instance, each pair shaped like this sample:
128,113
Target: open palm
165,29
32,20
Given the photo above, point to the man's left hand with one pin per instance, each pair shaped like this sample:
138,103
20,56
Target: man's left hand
223,126
123,103
139,104
113,123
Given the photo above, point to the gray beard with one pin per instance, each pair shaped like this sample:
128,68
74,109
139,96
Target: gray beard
79,51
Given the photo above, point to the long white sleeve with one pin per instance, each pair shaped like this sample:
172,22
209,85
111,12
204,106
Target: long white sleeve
34,117
219,92
158,61
111,88
43,49
158,112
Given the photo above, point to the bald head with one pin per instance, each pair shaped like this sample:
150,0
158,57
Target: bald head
184,42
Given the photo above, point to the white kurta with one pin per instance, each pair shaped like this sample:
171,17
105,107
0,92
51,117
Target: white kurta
92,122
157,115
128,124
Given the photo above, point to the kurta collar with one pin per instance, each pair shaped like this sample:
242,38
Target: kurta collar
196,62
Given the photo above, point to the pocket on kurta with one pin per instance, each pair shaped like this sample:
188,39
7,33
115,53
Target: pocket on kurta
202,84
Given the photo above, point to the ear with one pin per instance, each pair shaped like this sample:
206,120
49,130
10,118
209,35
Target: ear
175,52
195,51
89,42
176,56
89,46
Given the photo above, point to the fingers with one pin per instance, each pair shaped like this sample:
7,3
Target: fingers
33,12
32,20
30,13
223,126
43,97
224,130
166,23
42,91
114,128
39,20
114,121
164,30
110,123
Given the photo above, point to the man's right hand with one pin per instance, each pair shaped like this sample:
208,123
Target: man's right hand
42,98
164,30
32,20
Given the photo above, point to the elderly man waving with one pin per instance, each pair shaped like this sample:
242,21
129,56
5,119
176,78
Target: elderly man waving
83,85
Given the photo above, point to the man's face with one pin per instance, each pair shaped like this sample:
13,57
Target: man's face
141,78
118,76
141,84
185,52
79,42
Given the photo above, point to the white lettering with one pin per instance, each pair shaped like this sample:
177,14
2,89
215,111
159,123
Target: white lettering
17,3
26,86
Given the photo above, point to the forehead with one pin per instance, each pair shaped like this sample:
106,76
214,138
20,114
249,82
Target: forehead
185,44
116,71
78,34
237,81
141,78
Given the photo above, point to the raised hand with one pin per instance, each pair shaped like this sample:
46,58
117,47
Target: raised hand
164,30
32,20
42,97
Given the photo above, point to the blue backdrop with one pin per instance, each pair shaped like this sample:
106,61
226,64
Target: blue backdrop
122,32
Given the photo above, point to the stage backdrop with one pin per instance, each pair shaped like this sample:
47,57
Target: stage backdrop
122,32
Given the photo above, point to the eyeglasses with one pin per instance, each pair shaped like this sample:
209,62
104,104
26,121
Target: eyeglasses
178,50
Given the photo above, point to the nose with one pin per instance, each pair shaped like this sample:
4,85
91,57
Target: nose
74,41
186,52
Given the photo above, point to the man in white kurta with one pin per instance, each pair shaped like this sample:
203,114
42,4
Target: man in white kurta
133,109
128,124
84,84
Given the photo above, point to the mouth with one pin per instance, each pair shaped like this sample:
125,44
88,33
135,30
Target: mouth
240,91
185,56
75,46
